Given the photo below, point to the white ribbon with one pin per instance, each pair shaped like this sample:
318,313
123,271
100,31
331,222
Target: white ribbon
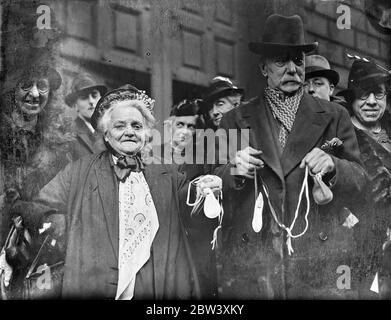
257,218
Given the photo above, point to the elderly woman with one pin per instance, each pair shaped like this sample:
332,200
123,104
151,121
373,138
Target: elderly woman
366,98
124,234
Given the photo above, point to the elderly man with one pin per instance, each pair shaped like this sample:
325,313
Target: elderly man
320,79
277,240
85,94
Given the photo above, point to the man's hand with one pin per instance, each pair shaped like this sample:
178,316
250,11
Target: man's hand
247,161
318,161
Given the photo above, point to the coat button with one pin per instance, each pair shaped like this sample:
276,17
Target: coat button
245,238
323,236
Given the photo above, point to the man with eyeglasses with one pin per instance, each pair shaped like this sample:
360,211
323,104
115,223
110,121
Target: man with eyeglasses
220,97
85,94
320,79
366,98
274,245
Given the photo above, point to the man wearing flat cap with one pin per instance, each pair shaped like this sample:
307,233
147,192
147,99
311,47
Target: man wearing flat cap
85,94
320,79
280,237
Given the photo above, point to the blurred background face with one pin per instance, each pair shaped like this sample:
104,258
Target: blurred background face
86,103
319,87
285,72
31,96
183,129
369,104
223,105
126,129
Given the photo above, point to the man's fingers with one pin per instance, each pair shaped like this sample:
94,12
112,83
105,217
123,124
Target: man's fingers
255,161
312,158
320,166
251,151
246,158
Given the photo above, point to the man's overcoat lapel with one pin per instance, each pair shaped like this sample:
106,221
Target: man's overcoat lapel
254,117
310,123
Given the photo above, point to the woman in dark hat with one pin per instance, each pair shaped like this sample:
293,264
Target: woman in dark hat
35,137
221,97
85,94
366,98
124,236
32,118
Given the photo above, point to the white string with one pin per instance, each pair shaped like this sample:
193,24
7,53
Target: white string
199,197
290,236
221,214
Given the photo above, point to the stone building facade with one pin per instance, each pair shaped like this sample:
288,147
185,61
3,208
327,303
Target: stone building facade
172,48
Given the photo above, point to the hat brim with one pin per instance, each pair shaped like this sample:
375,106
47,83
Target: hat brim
329,74
72,97
266,48
11,81
367,83
219,93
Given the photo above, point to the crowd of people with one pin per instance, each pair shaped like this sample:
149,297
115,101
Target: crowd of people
85,215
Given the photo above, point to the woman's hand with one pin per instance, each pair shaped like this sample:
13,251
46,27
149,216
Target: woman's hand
211,182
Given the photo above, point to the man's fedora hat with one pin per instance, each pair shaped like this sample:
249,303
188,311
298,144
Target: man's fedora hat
364,75
282,33
83,83
218,88
318,66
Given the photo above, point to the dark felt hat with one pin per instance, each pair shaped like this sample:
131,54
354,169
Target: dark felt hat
364,74
11,79
83,83
186,108
282,34
318,66
219,87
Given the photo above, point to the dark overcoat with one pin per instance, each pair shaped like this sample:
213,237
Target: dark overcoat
257,265
199,228
373,211
86,142
86,191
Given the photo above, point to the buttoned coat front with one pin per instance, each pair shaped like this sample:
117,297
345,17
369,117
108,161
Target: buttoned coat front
257,265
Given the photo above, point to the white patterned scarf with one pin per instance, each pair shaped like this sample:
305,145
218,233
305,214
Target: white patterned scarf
284,109
138,225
